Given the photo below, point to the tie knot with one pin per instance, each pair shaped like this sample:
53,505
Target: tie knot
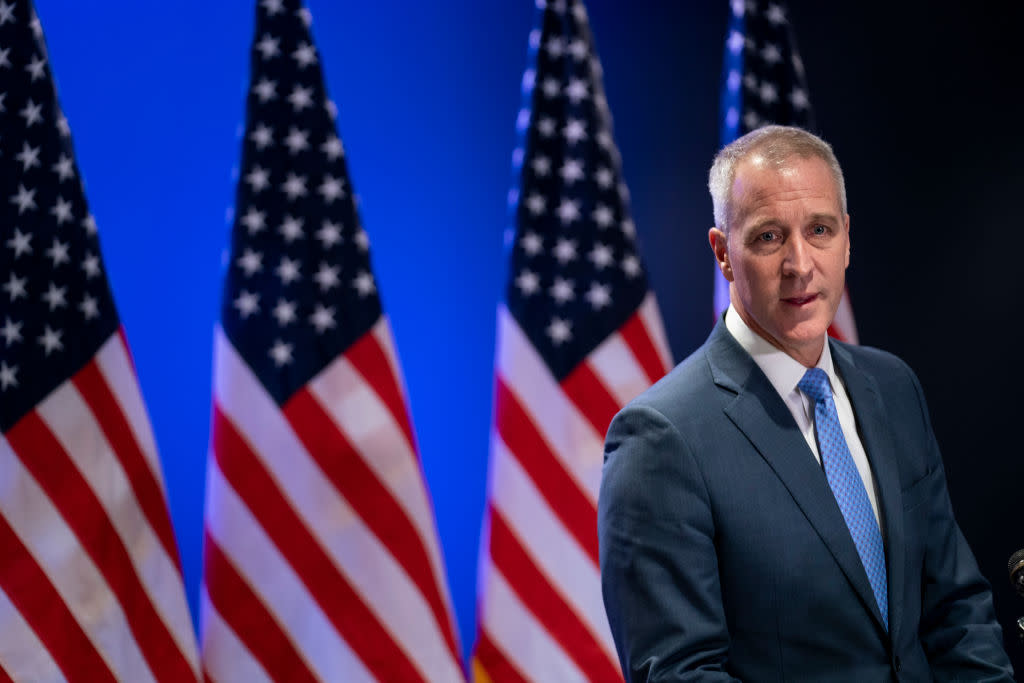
815,384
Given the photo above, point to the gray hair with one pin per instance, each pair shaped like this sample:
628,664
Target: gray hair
776,145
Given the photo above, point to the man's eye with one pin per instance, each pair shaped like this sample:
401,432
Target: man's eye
768,237
820,229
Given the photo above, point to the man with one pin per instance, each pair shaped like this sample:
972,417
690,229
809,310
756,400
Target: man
775,509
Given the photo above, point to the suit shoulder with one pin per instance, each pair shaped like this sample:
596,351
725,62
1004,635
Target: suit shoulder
684,388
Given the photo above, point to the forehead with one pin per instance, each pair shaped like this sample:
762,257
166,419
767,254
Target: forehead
797,182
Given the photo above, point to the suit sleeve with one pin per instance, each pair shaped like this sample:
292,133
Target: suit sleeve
958,629
659,571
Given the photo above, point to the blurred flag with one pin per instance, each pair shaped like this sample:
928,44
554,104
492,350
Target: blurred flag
763,82
579,335
321,559
90,578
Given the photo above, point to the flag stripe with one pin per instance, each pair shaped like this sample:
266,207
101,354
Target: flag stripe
244,613
149,494
21,652
224,655
496,666
332,591
591,396
517,430
640,341
32,593
371,361
547,605
51,466
655,327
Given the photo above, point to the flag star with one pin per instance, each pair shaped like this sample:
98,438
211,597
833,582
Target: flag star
574,131
776,15
25,199
798,98
332,147
322,318
251,262
301,98
304,55
528,282
565,250
529,80
331,108
750,82
738,7
361,239
531,243
598,296
578,49
91,265
771,54
751,120
329,234
265,89
734,80
580,12
294,186
32,112
89,307
628,228
363,284
268,46
603,216
331,188
571,171
50,339
281,353
64,168
562,291
254,220
577,91
798,64
284,311
262,136
8,376
5,61
62,125
272,6
551,87
247,303
37,67
734,42
541,166
559,330
258,178
536,204
601,255
297,140
55,297
15,286
6,12
61,211
327,277
305,16
631,265
11,331
28,156
58,252
20,243
604,177
291,229
546,126
568,211
554,47
288,270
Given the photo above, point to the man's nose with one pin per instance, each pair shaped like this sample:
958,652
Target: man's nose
798,262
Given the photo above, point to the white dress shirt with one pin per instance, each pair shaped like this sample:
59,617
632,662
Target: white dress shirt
785,372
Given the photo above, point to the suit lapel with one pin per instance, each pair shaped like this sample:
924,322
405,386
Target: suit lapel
762,415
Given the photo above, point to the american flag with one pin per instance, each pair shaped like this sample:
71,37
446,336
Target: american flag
763,82
90,579
321,559
579,335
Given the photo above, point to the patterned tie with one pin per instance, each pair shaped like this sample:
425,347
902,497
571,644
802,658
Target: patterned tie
847,485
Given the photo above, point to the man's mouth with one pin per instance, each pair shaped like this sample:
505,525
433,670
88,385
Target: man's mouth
800,300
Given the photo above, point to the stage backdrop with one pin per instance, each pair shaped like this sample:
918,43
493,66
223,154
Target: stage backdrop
921,102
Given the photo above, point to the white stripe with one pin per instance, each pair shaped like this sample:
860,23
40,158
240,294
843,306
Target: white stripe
844,319
225,657
80,585
651,315
282,592
571,437
615,365
523,640
552,549
72,423
22,655
356,552
115,364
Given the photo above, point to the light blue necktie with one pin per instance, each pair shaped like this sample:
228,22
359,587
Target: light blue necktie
847,485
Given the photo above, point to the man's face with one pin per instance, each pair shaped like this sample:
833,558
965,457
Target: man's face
786,253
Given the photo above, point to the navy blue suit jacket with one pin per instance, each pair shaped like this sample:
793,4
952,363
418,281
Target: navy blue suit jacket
724,555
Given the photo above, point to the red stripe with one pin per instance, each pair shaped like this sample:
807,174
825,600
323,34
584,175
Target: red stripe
369,359
591,396
547,605
354,621
836,333
243,610
4,676
36,598
555,484
93,387
57,474
493,661
371,500
641,343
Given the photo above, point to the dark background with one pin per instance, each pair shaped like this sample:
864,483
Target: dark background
921,100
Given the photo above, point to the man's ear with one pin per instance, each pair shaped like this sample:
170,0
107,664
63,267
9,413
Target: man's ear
720,247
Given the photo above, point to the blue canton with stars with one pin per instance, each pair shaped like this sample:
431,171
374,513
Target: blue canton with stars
299,288
575,274
56,309
764,78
